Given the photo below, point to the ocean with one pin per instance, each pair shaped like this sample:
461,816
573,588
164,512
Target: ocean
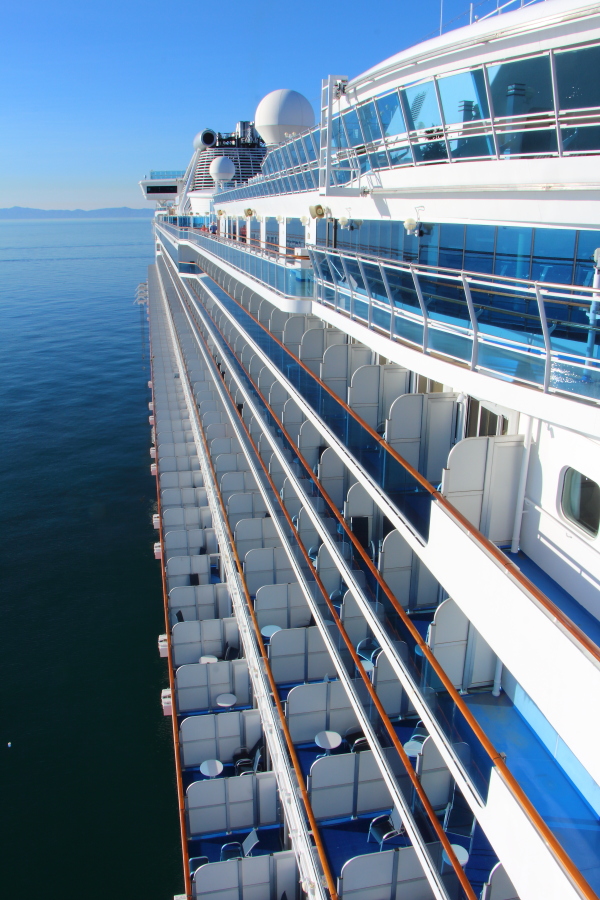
88,802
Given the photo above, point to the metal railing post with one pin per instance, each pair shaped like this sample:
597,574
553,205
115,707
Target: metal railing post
473,315
423,309
546,334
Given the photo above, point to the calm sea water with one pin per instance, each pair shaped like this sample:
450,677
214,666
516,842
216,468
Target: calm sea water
88,801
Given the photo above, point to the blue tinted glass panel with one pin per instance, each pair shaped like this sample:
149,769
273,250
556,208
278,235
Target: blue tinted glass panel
553,252
379,160
390,114
369,122
280,163
576,89
452,239
300,180
479,248
472,147
338,135
464,97
431,150
421,105
519,143
581,140
428,244
401,156
353,131
301,152
309,147
291,149
522,87
513,252
364,163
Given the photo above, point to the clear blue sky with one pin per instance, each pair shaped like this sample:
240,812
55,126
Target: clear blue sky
95,95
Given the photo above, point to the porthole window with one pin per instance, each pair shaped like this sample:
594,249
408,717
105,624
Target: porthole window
581,501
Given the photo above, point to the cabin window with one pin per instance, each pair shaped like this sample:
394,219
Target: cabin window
581,501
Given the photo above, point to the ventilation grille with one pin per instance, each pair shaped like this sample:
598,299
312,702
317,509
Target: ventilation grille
247,164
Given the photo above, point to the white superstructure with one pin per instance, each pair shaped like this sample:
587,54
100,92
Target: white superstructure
376,413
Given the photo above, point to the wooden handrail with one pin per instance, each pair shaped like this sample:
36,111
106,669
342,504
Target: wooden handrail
274,690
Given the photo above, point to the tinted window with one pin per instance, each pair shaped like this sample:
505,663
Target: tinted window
463,97
581,501
369,122
353,128
522,87
513,251
421,106
577,88
553,251
390,114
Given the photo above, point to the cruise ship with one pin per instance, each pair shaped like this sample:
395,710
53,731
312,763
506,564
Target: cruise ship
375,420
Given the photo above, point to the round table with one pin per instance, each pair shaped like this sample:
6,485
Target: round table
328,740
226,700
268,631
211,767
413,748
460,853
209,659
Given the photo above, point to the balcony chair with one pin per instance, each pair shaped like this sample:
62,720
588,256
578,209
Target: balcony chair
196,862
385,828
235,850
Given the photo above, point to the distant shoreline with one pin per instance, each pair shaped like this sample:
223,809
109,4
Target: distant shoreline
118,212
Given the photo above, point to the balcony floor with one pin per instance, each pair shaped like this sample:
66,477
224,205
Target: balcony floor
588,623
554,796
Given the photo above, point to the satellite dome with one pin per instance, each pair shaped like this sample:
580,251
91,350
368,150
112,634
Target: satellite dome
282,113
204,139
222,169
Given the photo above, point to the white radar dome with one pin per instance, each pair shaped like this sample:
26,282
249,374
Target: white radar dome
282,113
222,169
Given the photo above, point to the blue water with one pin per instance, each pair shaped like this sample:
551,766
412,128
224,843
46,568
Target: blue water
88,803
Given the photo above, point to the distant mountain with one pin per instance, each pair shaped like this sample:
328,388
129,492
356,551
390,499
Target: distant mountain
117,212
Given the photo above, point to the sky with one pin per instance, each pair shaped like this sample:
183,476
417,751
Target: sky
93,96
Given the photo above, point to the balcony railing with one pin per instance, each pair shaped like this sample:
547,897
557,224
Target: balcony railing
284,273
538,333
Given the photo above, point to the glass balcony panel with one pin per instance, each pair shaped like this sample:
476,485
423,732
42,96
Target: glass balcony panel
476,147
342,176
390,113
379,160
530,142
464,97
431,149
364,163
369,122
583,139
375,281
521,87
420,102
354,276
512,362
301,151
353,132
401,156
576,89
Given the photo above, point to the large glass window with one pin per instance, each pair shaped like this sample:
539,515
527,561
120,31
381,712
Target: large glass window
553,252
479,248
513,252
338,135
420,103
521,88
369,122
390,113
587,242
353,131
581,501
301,152
464,97
576,75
